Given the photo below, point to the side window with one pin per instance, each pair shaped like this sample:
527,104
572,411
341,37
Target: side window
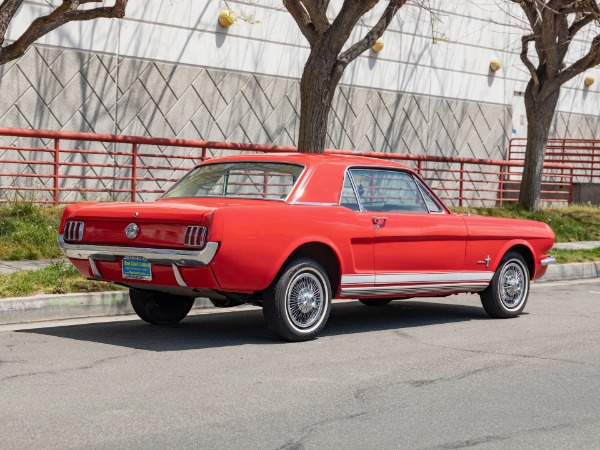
388,191
349,199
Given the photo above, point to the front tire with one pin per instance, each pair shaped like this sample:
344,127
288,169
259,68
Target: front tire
297,305
160,308
507,294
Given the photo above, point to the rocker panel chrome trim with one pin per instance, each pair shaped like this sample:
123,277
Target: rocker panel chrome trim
408,290
439,277
154,255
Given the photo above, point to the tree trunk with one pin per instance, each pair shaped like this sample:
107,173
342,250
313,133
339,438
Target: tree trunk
320,78
539,119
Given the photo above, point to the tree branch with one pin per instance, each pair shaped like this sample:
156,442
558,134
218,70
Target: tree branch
530,7
317,14
577,25
300,15
8,9
67,11
375,33
525,40
591,59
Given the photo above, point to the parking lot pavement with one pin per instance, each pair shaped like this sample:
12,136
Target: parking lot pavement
433,373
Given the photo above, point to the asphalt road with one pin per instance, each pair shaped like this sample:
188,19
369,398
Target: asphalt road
427,374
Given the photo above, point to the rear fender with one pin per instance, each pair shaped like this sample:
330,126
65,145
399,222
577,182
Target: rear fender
293,248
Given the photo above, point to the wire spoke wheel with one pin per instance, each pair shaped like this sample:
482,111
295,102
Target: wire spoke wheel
507,293
297,305
512,285
304,299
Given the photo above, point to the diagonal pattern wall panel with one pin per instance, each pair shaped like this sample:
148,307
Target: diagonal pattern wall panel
79,91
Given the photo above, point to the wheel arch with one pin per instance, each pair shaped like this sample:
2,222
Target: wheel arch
322,253
525,251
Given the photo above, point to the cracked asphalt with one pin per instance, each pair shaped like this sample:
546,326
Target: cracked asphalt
428,374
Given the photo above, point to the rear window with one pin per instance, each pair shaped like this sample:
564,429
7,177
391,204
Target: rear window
261,180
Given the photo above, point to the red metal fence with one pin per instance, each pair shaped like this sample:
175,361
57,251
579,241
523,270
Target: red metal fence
582,154
63,167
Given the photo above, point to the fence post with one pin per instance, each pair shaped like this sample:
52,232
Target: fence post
593,162
501,185
419,167
461,185
570,202
56,167
203,154
134,172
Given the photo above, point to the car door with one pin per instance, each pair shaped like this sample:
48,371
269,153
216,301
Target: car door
359,273
419,248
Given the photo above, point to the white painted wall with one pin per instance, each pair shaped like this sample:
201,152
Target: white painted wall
455,66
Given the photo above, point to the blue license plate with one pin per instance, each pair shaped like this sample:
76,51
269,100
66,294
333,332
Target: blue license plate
136,268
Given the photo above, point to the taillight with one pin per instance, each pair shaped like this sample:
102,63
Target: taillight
73,231
194,236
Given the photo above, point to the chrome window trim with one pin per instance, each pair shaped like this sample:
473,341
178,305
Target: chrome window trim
313,204
355,190
206,163
421,187
386,169
349,175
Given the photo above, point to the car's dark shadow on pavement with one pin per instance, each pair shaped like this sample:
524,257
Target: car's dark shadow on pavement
249,328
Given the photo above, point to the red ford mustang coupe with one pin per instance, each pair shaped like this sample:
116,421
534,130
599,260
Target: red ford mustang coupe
292,232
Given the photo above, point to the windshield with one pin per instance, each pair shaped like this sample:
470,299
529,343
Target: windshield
263,180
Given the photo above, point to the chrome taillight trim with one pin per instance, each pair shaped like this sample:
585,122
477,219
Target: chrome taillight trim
74,231
195,236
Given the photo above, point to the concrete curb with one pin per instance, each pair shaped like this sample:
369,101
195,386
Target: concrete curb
572,271
70,306
75,306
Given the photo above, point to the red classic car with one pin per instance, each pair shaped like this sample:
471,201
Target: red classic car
291,232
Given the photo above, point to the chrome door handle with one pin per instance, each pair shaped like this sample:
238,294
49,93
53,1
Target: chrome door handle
379,221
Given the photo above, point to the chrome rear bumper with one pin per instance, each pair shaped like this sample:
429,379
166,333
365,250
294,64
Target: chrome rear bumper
167,257
549,260
154,255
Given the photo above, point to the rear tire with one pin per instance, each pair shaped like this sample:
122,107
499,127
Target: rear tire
376,302
297,305
507,294
160,308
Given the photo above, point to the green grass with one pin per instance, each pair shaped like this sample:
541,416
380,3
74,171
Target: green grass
56,278
28,231
571,256
573,223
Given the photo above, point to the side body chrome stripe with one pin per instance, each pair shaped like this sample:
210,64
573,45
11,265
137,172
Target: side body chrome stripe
414,283
416,277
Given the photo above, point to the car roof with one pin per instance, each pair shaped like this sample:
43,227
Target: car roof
323,177
310,159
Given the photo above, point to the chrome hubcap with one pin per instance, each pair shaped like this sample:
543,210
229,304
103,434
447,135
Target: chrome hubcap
512,285
305,299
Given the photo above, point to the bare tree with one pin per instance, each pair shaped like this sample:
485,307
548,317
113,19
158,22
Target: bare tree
67,11
327,61
552,27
